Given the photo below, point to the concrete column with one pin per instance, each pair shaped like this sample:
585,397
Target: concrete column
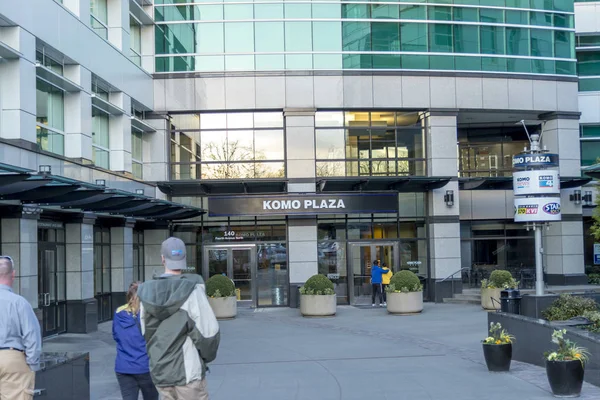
121,259
153,239
300,166
563,241
156,148
443,220
120,135
19,241
118,24
82,312
81,8
18,87
78,115
148,43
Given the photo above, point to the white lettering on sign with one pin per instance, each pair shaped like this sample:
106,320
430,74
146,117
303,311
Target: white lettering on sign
309,204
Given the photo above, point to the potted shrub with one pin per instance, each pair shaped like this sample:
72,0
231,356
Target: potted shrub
404,293
567,307
565,366
317,297
497,349
490,289
221,296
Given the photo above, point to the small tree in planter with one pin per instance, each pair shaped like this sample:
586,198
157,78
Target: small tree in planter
490,289
404,293
317,297
565,366
221,296
497,349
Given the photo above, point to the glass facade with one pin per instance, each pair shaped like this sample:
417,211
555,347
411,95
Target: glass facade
463,35
137,153
100,138
590,144
102,273
227,145
378,143
135,36
99,17
50,117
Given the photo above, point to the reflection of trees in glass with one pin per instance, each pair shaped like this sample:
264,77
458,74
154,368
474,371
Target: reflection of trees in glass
228,163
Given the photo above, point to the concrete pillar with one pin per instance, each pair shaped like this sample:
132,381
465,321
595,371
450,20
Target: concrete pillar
119,131
78,115
156,148
148,43
20,242
82,311
300,166
563,241
121,260
18,87
81,8
443,220
153,239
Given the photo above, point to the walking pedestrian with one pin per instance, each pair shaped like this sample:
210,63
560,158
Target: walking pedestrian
180,328
376,279
20,339
132,365
385,281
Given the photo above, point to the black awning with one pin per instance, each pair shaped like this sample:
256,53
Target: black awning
46,189
382,183
223,187
506,183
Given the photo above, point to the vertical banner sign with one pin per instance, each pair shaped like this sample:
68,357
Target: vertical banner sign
596,253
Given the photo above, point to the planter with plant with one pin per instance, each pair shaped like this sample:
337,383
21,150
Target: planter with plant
565,366
567,307
404,293
491,288
317,297
497,348
221,296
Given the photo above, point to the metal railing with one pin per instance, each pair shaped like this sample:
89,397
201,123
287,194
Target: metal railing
451,276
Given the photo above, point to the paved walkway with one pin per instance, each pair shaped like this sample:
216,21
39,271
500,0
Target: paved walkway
359,354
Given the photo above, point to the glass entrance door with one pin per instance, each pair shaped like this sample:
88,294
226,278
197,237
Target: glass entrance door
361,257
51,288
236,262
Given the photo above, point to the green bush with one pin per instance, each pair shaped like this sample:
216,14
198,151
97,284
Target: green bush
404,281
567,307
219,286
594,317
500,279
594,279
318,284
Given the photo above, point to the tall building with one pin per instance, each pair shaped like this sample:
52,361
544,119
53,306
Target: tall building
280,139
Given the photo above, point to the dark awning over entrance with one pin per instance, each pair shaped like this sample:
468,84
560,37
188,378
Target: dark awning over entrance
381,183
223,187
592,171
506,183
46,189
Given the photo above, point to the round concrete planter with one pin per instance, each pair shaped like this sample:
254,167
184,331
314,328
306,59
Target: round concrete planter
486,299
314,305
405,303
224,307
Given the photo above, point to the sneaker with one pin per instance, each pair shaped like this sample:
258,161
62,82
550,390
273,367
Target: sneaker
384,304
380,305
373,305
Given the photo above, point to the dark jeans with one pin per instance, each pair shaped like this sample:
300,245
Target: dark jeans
132,384
383,287
376,290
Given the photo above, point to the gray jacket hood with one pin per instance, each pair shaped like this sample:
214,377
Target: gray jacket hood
164,296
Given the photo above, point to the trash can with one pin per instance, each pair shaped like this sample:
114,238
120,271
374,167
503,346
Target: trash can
294,296
510,301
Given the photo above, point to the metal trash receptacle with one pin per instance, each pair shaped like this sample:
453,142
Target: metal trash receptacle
510,301
294,296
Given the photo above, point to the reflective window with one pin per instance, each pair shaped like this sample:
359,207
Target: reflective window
100,139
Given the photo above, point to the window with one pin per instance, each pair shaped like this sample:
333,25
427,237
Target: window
48,62
139,271
50,117
137,153
102,273
99,17
369,144
590,148
135,35
100,139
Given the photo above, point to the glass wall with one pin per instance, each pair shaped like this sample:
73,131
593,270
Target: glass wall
137,153
139,270
50,117
488,152
135,36
530,37
227,145
99,17
102,273
379,143
590,144
100,138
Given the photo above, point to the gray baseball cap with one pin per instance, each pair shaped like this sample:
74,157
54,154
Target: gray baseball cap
173,250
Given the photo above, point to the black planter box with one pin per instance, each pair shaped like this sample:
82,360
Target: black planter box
565,377
64,376
497,356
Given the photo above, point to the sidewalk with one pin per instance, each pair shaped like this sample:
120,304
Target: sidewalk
359,354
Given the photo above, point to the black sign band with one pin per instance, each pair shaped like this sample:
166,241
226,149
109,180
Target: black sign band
521,161
303,204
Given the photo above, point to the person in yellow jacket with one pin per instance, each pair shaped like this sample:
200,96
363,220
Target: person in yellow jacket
385,280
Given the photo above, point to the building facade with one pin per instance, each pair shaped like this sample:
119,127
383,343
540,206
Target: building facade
282,139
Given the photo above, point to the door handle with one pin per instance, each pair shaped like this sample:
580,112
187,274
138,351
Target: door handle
47,302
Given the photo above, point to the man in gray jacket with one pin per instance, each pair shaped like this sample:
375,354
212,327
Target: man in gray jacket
181,331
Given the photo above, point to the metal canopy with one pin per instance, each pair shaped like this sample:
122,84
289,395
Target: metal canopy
506,183
382,183
46,189
222,187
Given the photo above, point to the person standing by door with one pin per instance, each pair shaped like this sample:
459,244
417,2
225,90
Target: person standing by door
376,279
132,365
385,281
20,339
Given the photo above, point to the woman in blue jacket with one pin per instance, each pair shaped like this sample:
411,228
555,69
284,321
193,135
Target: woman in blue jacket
132,364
